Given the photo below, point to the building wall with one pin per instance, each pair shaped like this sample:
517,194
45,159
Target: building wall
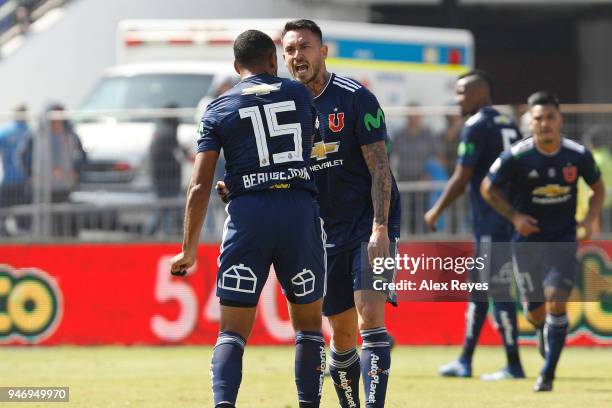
595,78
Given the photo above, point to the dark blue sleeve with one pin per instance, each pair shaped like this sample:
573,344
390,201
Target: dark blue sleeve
471,145
502,169
588,168
370,126
208,137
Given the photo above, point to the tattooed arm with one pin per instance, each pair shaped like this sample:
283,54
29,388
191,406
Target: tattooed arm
375,157
524,224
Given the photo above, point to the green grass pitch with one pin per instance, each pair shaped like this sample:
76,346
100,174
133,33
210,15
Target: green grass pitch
133,377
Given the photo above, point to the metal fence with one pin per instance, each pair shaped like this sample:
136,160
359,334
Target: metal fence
94,176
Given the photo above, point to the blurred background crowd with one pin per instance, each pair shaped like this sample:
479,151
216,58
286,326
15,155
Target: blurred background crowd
43,160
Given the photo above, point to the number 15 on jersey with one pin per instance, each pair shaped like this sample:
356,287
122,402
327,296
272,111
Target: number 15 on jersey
276,129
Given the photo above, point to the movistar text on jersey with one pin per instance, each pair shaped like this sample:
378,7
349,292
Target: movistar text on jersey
255,179
412,264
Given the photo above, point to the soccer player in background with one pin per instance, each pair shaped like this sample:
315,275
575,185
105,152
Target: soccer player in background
359,203
486,133
273,217
542,173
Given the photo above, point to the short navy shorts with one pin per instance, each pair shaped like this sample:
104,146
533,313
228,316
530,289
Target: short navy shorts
345,275
539,265
273,227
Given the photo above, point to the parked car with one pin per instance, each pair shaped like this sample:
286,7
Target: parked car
118,127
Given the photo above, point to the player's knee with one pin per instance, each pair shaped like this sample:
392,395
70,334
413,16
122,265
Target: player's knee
555,295
343,339
556,307
306,317
371,315
307,323
536,314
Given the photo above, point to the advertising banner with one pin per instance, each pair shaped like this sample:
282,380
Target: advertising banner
105,294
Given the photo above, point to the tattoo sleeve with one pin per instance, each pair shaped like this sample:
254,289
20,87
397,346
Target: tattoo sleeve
496,199
375,157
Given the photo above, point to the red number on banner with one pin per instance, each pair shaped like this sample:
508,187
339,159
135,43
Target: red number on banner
166,290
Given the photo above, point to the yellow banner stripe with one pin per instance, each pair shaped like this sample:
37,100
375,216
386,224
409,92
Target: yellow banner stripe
396,66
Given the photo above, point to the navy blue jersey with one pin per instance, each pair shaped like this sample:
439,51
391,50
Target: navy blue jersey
484,137
265,126
544,186
350,117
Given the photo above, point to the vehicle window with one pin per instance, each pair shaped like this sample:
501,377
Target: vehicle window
148,91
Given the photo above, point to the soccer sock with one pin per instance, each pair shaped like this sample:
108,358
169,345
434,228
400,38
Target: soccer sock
309,367
474,319
505,316
539,326
375,365
345,372
555,331
226,368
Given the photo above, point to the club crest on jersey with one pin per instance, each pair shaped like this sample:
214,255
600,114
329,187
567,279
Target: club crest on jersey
570,174
336,122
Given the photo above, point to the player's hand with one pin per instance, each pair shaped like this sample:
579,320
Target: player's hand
584,230
378,247
180,263
430,218
525,224
222,191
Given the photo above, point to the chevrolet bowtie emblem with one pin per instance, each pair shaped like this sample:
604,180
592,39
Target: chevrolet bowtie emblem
551,190
262,89
320,149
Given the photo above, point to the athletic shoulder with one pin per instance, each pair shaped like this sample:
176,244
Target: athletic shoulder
298,88
346,85
488,117
7,130
522,148
573,146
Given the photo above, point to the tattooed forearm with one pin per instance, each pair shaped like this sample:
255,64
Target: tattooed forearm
496,199
376,158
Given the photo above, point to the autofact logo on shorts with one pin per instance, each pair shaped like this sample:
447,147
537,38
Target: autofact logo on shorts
30,305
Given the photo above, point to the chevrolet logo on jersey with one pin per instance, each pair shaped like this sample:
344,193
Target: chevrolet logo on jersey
320,149
551,190
502,120
262,89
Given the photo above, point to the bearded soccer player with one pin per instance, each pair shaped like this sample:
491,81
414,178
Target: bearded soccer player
359,203
265,125
485,134
542,174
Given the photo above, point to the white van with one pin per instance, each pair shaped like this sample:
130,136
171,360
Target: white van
118,125
117,141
